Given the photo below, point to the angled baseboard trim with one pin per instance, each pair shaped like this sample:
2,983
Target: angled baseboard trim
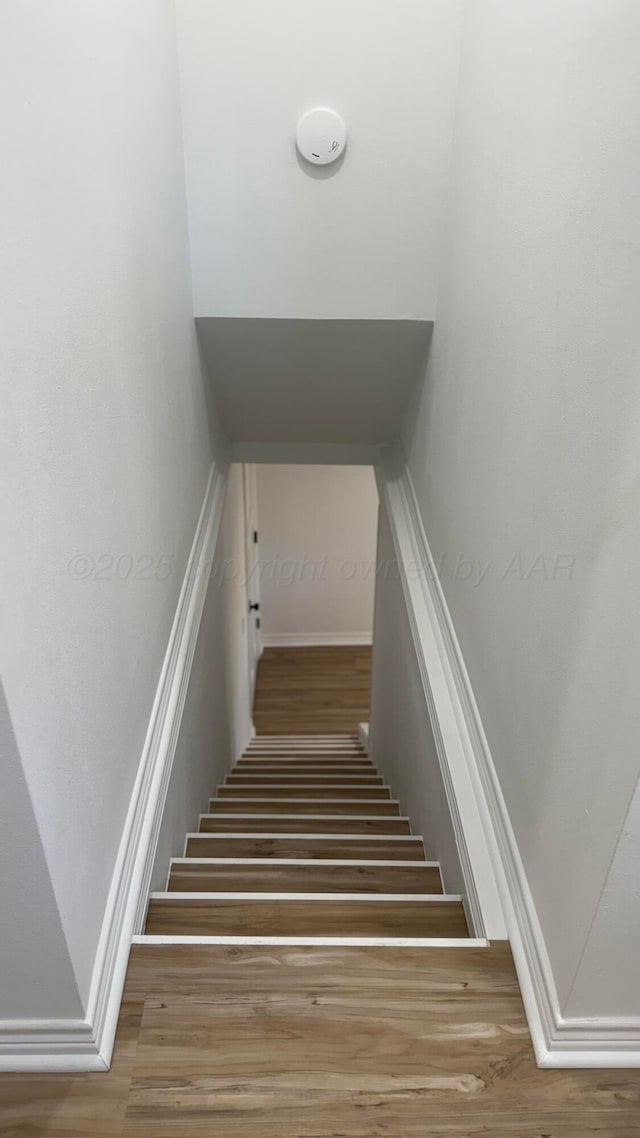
363,736
498,890
482,901
87,1045
127,903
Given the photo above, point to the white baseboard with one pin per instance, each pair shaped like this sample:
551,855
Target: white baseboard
314,639
442,699
499,896
49,1045
363,735
87,1045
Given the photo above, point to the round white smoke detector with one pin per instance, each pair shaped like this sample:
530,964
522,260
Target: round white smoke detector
321,136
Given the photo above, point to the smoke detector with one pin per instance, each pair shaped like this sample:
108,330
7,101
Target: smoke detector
321,136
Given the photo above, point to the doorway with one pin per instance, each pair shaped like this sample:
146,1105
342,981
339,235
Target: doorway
315,563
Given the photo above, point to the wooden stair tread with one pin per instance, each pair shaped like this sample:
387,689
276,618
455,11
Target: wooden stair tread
293,877
302,749
303,767
262,790
287,823
296,776
306,846
280,853
202,916
290,778
248,805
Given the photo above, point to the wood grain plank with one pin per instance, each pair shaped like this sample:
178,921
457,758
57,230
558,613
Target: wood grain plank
304,778
312,741
288,743
318,1043
302,767
297,759
312,691
349,1113
283,791
301,824
292,878
306,846
201,917
197,971
339,754
357,1043
247,805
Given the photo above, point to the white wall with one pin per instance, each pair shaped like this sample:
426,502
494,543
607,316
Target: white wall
28,961
105,446
524,442
606,982
317,528
271,239
203,754
401,740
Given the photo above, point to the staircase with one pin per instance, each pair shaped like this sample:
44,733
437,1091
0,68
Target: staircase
304,840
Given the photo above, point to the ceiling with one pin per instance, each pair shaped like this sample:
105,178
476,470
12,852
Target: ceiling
330,383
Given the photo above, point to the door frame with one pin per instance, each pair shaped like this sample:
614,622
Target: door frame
252,563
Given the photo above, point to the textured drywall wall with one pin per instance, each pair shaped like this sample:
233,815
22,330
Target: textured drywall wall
203,752
524,440
105,444
401,741
317,528
37,979
606,983
269,238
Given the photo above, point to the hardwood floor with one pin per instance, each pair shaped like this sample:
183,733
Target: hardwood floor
314,691
267,1040
251,1042
307,1043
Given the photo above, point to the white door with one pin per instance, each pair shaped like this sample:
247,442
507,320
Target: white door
253,573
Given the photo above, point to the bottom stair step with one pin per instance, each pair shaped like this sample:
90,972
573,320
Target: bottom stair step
343,916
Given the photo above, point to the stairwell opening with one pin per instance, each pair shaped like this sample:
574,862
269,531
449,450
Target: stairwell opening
305,841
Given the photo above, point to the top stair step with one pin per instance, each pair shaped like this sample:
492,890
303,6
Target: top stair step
304,739
300,742
302,766
302,748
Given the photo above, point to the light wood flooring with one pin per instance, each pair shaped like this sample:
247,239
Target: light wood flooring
298,1042
261,1039
314,691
